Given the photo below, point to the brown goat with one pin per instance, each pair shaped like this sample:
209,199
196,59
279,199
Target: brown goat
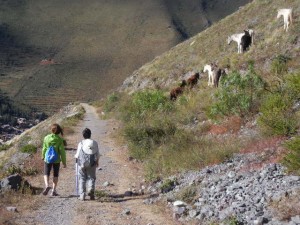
217,73
175,92
193,80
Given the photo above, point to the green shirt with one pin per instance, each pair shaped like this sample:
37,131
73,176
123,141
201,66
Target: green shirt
56,141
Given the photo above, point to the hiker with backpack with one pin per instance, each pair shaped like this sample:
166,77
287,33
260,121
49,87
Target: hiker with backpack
53,153
87,158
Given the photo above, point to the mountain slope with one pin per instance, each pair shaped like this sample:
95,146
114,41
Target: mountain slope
96,45
270,40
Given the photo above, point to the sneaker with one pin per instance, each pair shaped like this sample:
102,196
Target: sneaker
54,193
92,196
46,190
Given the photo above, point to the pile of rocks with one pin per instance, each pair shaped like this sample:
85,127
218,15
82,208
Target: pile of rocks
231,190
8,131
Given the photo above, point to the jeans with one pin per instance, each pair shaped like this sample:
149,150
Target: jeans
87,178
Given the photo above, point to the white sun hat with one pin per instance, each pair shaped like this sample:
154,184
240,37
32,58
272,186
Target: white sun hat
89,146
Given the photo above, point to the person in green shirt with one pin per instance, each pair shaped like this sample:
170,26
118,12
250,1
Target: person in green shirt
53,139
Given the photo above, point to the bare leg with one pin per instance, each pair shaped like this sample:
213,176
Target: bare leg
55,181
47,188
46,179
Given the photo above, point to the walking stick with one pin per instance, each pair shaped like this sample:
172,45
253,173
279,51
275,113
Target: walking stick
76,187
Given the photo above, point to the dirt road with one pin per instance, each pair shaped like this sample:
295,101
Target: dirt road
123,175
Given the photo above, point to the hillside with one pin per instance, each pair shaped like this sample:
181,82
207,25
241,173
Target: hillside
94,45
258,102
219,150
270,40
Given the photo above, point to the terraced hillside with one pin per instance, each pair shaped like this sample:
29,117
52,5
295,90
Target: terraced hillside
94,45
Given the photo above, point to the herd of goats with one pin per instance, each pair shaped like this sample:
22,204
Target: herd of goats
244,41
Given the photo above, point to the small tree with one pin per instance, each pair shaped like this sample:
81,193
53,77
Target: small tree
278,115
292,159
239,95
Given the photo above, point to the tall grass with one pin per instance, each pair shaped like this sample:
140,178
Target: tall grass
158,133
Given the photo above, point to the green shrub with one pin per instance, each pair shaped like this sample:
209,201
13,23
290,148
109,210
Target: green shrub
167,185
29,149
146,125
111,102
30,171
145,103
100,194
144,137
277,114
238,95
188,194
277,117
292,159
5,147
13,170
233,221
279,65
16,169
293,86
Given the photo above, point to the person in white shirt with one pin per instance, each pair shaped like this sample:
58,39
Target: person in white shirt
87,157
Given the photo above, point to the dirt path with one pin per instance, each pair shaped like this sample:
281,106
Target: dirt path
115,169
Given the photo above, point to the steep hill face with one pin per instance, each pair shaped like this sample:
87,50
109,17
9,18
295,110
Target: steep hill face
270,41
93,46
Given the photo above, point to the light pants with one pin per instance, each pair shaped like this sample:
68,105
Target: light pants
87,178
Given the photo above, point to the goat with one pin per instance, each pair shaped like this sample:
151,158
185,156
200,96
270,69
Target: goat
175,92
246,41
193,80
208,68
287,17
218,72
238,39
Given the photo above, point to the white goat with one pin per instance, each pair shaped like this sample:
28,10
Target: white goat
287,17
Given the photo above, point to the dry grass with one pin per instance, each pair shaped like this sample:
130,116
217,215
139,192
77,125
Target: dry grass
287,207
23,202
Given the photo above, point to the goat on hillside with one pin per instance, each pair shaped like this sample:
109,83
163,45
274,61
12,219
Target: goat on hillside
238,39
175,92
246,41
217,73
193,80
208,68
214,74
287,17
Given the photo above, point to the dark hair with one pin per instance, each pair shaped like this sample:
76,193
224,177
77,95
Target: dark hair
56,129
86,133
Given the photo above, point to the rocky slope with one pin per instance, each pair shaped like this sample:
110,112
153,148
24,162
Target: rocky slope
233,191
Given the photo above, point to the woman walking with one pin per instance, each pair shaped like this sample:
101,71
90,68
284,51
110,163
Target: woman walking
53,145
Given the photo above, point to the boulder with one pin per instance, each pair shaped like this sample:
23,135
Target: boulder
12,182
